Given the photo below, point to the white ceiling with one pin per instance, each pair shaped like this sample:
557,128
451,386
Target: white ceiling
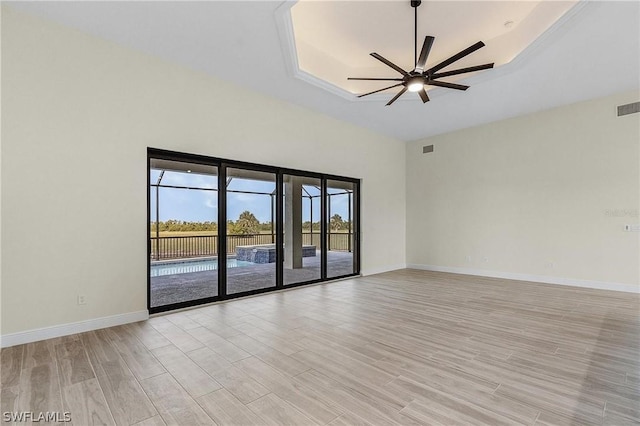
593,51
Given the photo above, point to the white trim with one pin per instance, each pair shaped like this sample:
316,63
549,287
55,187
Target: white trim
71,328
574,282
373,271
284,26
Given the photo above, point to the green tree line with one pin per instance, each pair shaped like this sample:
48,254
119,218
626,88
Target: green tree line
173,225
246,224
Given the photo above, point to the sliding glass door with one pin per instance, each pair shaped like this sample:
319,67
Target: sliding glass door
183,232
341,228
220,229
251,248
301,225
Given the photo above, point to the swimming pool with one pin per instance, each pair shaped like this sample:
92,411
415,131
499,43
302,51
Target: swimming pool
188,266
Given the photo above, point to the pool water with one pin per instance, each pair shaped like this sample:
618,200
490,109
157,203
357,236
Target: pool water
187,267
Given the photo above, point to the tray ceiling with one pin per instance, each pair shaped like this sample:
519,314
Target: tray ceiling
590,51
333,39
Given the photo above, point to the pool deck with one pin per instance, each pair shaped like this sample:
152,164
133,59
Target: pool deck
169,289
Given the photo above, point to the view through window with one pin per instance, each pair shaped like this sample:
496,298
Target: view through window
215,226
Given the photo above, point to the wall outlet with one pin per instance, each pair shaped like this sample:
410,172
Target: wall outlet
468,258
82,299
485,259
549,265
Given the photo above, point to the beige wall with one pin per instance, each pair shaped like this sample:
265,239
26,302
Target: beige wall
78,114
543,196
0,172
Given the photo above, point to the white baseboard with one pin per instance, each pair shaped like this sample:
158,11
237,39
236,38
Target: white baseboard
372,271
71,328
601,285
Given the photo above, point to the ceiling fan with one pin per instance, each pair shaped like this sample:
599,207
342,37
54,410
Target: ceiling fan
419,77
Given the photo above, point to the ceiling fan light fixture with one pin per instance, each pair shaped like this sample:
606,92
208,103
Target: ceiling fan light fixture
416,80
416,84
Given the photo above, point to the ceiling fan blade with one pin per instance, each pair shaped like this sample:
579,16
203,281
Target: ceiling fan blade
455,57
462,71
447,85
388,63
423,96
380,90
424,53
400,93
376,79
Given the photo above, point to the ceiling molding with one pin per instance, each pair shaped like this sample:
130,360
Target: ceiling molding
287,38
215,38
284,25
532,49
286,35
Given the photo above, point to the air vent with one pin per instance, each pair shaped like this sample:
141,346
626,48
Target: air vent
427,149
628,109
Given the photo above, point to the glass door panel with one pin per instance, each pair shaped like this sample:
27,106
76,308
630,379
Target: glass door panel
341,228
301,225
184,233
251,249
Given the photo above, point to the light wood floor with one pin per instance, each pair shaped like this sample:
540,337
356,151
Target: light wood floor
406,347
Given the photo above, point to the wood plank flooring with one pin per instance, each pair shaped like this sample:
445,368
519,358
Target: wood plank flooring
406,347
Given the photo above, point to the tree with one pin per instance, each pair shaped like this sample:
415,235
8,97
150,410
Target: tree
173,225
246,224
336,222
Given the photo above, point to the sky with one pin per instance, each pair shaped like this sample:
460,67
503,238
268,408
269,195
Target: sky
201,205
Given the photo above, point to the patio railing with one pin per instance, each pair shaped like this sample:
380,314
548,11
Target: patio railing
207,245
